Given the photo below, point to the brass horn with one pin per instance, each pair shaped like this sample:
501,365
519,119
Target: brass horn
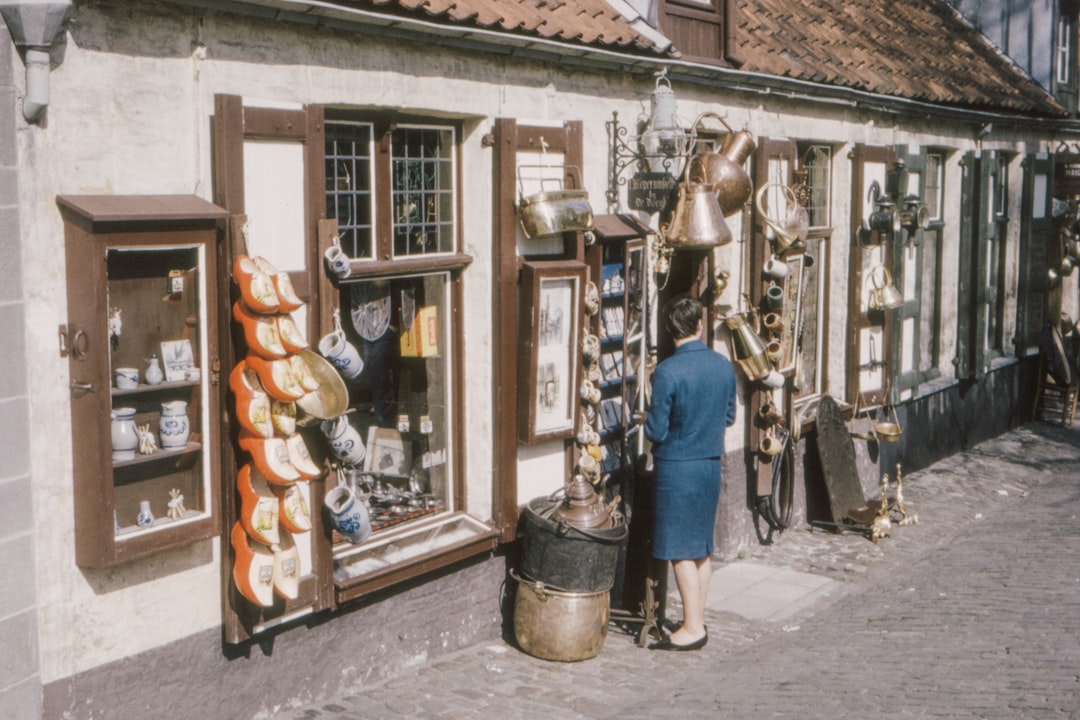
793,227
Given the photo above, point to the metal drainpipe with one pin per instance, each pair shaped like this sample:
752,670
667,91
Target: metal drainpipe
34,25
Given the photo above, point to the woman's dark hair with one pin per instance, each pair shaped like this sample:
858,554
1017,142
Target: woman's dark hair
681,316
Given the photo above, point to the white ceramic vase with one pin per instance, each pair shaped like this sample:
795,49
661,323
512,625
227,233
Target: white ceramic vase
125,438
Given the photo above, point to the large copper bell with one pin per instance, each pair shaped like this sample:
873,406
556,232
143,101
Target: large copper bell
725,172
582,507
747,346
698,221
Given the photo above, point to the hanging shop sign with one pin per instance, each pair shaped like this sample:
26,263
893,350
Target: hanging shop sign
650,191
1066,175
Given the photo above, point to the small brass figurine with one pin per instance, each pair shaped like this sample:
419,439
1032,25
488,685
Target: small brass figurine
905,519
880,526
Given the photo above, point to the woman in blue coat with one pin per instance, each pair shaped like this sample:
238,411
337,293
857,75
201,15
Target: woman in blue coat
693,402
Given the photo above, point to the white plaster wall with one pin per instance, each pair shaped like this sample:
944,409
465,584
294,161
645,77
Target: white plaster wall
130,113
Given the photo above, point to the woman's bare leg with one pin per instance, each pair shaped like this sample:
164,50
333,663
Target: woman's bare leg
688,576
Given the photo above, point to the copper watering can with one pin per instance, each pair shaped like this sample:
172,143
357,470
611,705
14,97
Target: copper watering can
724,170
697,221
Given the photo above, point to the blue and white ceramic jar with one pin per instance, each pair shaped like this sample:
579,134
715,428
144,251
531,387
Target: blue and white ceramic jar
174,428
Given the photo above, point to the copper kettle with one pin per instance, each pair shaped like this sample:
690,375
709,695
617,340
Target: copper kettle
697,221
583,508
725,172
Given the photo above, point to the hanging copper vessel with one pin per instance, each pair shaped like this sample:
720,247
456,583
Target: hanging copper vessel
725,172
698,221
748,349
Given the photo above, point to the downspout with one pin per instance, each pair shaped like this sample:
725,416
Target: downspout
34,26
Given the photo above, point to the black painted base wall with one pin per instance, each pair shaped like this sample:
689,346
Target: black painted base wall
939,423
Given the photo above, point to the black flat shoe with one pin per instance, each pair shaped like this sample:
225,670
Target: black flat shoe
675,647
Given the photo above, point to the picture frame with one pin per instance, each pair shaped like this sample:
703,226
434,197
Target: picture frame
176,357
551,314
791,313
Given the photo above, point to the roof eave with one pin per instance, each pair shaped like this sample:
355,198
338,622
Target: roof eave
645,62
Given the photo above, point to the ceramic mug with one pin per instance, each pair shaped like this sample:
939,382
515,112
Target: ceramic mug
773,323
774,297
344,439
776,268
337,262
339,351
127,378
773,379
348,514
773,351
770,444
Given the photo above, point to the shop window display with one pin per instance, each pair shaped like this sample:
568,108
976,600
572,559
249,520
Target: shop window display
396,205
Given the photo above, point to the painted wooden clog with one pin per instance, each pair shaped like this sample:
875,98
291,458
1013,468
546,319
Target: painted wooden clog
253,406
253,568
259,507
256,287
260,332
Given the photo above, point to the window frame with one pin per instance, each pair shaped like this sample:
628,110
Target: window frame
385,264
385,261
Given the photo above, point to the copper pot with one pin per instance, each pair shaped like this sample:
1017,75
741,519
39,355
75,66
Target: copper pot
698,221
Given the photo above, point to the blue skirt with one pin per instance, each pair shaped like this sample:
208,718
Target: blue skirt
685,497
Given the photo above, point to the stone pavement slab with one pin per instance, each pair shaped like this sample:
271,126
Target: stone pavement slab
971,613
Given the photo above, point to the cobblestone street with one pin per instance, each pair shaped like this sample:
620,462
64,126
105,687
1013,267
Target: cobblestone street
974,612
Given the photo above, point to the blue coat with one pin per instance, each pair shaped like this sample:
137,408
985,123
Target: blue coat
693,402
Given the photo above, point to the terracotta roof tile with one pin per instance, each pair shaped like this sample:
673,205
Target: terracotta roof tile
585,22
916,49
913,49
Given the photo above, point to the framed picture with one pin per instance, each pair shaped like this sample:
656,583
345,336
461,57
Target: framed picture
551,314
176,357
792,313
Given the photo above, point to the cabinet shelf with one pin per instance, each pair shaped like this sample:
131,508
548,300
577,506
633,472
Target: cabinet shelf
160,454
145,389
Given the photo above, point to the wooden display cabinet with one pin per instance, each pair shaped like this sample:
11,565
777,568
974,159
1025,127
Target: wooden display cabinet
618,263
141,280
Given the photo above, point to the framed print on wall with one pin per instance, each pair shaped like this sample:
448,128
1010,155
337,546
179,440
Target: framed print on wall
551,312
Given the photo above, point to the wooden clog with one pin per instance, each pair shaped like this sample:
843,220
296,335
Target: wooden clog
260,332
253,568
256,287
277,378
287,296
271,458
300,458
259,507
291,337
253,406
287,568
293,513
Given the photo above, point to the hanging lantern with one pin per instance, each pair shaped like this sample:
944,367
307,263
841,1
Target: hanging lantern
663,140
